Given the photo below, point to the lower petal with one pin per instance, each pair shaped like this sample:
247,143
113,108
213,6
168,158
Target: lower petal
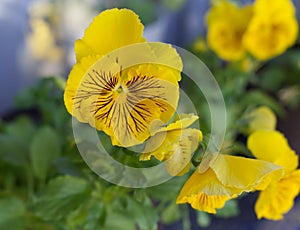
278,198
205,192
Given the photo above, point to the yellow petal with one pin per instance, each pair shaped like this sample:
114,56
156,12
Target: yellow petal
272,146
205,192
267,145
207,160
175,147
262,118
110,30
244,173
74,79
277,7
179,161
288,160
181,122
278,198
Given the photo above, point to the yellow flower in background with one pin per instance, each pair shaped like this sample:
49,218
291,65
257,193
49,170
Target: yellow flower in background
278,198
226,24
200,45
262,118
42,34
224,177
272,29
174,144
112,95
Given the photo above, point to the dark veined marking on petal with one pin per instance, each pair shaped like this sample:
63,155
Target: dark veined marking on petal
143,88
132,110
97,83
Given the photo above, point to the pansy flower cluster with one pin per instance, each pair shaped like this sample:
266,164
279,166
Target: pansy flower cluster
136,103
261,29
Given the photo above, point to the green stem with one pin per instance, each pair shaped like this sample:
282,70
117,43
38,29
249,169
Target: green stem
30,181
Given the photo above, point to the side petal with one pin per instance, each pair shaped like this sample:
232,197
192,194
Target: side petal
244,173
181,153
74,80
205,192
110,30
278,198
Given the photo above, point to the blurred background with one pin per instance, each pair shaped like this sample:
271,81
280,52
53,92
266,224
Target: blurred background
37,38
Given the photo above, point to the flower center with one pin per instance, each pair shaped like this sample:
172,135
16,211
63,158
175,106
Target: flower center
120,88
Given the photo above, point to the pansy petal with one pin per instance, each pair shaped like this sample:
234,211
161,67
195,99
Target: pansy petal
244,173
74,80
110,30
288,160
179,161
175,147
278,198
205,192
267,145
181,122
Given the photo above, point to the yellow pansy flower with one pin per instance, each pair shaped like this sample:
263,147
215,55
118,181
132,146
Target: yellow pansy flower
224,177
174,144
262,118
111,89
226,24
272,29
278,198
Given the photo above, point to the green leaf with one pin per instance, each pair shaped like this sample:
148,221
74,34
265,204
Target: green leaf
15,141
167,191
171,214
61,196
118,220
12,212
231,209
143,213
96,217
44,148
203,219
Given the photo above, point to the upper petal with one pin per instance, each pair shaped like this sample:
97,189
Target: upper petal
110,30
272,146
267,145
